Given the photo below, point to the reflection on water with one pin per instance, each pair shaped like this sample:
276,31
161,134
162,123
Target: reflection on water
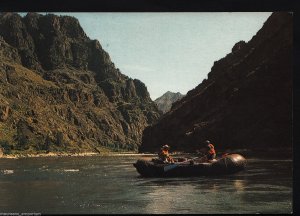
239,184
164,198
112,185
7,172
192,195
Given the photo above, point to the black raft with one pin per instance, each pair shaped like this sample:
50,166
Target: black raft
227,165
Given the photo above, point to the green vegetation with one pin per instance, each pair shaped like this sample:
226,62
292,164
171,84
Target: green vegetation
5,147
7,134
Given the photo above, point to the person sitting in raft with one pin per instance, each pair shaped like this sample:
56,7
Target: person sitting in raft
164,154
211,153
206,154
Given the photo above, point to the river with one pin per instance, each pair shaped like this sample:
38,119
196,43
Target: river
110,184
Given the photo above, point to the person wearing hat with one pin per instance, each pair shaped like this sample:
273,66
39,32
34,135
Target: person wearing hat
164,154
211,153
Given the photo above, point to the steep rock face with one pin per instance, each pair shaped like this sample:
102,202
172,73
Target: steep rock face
246,102
164,102
60,90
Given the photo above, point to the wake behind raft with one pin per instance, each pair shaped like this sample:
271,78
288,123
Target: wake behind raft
229,164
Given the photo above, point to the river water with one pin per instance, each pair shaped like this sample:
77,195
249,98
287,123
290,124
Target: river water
111,184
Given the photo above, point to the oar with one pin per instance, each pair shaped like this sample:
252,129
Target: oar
172,166
224,155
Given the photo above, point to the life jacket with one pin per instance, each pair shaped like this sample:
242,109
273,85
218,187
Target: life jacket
165,152
211,150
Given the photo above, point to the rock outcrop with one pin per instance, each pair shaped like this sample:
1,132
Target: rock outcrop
164,102
246,102
59,89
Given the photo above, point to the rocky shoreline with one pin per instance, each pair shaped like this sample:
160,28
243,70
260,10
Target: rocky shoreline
61,154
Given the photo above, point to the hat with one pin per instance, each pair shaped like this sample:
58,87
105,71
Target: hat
165,147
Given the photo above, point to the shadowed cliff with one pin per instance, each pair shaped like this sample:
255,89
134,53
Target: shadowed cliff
246,102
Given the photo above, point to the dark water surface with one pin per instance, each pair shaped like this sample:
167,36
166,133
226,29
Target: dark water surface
111,185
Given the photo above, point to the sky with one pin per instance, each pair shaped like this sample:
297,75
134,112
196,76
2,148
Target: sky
169,51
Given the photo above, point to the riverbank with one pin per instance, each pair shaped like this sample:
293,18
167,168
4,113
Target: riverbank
64,154
50,154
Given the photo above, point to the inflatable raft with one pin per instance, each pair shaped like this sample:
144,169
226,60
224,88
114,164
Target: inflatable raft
227,165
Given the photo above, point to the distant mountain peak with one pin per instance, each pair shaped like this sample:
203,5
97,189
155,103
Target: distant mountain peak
164,102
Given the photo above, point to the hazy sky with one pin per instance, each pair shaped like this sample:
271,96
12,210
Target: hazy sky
169,51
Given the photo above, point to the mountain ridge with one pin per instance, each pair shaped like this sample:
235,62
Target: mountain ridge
61,92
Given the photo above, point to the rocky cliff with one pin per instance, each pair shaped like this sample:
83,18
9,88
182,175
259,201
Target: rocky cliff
60,91
246,101
164,102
